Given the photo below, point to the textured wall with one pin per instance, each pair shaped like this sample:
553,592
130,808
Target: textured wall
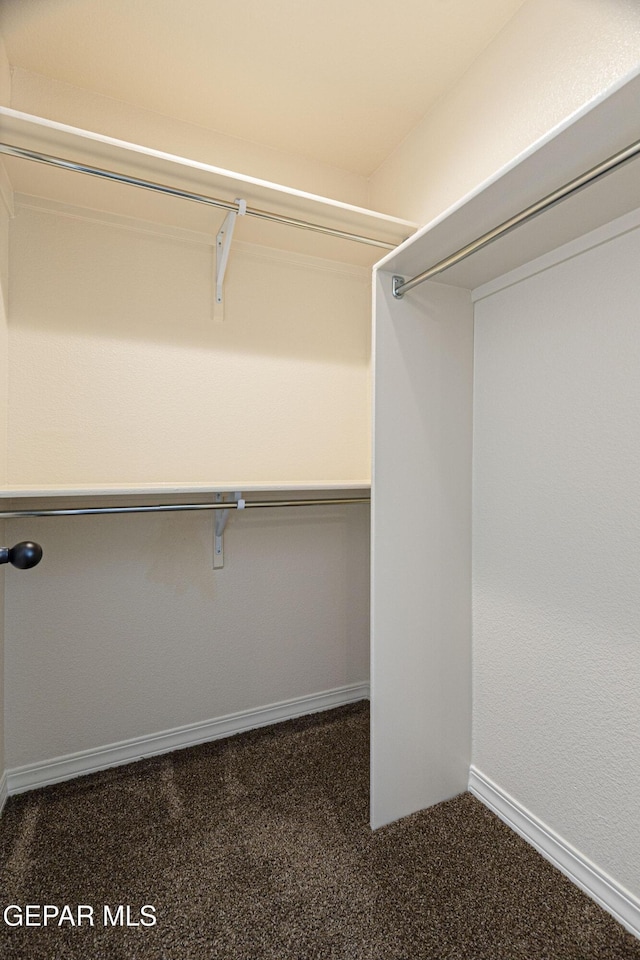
131,379
556,546
551,58
421,570
124,629
5,76
33,93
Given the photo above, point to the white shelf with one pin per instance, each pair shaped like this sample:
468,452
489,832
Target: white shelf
592,135
189,490
133,160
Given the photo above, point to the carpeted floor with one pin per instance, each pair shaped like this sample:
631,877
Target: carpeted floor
258,848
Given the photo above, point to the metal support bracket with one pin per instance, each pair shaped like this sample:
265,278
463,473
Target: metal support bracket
396,283
223,246
219,524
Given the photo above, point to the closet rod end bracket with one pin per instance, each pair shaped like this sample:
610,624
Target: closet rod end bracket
396,284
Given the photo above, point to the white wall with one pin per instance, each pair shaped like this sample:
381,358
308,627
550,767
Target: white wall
132,380
556,706
421,563
124,629
550,59
43,97
556,544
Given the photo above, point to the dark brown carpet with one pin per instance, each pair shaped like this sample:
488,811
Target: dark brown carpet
258,848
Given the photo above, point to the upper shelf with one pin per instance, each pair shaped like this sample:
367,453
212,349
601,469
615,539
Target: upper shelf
188,490
132,160
598,131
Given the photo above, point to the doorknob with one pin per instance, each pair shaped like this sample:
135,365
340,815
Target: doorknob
23,556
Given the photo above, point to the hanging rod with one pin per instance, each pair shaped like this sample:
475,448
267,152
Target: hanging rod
52,161
400,286
180,507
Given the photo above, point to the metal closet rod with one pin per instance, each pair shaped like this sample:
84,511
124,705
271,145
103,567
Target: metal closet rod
181,507
402,286
52,161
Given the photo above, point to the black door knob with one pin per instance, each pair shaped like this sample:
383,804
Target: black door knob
23,556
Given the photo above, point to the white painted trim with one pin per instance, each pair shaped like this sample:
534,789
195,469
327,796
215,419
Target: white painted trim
545,144
597,884
627,223
180,489
4,791
54,135
44,773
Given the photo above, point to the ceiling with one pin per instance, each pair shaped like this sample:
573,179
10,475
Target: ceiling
340,81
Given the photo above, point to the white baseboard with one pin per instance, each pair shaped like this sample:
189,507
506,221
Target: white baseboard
47,772
617,901
4,792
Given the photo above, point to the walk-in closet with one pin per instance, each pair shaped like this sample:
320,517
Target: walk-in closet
291,426
171,353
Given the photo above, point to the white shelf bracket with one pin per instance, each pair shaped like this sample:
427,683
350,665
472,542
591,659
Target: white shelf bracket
221,518
223,245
